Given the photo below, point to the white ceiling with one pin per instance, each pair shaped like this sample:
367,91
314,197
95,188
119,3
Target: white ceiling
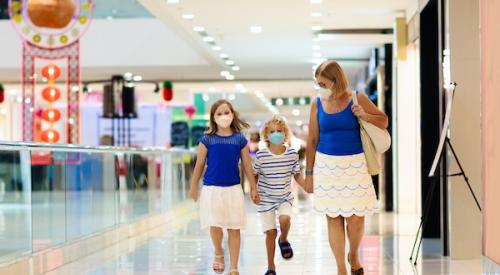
168,48
283,50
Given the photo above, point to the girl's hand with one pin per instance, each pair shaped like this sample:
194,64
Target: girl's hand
193,193
358,111
309,184
255,196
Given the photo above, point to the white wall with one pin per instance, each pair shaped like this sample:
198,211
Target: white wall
408,132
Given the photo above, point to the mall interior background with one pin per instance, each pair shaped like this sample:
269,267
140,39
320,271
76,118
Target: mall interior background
261,56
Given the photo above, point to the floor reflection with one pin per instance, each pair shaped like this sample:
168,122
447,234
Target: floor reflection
187,250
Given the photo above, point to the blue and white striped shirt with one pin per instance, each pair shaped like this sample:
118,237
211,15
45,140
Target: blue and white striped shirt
275,175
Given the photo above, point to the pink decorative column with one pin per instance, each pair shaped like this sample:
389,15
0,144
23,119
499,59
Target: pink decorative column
490,90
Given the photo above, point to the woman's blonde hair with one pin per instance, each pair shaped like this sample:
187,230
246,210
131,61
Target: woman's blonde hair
331,70
236,126
275,120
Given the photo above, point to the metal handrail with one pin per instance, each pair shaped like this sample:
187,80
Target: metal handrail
32,146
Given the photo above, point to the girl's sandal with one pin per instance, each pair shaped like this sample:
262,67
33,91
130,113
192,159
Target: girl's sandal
217,266
234,271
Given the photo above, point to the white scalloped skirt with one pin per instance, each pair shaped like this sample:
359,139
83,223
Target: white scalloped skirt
342,186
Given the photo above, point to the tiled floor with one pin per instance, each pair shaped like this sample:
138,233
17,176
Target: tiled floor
187,250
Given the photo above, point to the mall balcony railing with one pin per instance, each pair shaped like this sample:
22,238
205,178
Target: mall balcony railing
51,195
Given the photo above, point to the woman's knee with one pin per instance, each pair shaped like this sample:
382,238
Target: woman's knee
355,221
339,220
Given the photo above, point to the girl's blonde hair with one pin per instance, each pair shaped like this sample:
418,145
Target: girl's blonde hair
276,120
236,126
331,70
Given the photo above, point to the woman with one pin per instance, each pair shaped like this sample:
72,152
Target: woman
343,188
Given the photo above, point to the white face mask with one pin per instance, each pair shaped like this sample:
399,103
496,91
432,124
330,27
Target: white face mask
325,92
224,121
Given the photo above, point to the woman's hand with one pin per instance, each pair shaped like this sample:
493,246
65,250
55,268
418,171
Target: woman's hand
255,195
309,184
193,192
358,111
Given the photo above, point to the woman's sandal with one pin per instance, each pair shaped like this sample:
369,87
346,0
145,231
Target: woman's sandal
218,267
286,249
359,271
270,272
234,271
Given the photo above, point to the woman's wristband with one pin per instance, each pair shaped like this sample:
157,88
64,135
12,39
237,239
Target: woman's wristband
309,171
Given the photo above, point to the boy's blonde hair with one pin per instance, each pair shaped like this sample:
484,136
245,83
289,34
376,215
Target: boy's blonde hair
276,120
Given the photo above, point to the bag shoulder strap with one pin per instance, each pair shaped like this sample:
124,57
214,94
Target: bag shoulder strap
355,97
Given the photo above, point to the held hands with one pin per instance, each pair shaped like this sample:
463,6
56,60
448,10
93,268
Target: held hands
358,111
255,196
309,185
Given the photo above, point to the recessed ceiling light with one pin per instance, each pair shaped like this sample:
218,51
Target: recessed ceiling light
316,47
229,62
316,14
199,29
232,97
299,122
173,1
296,112
316,1
223,55
235,68
279,102
302,101
206,98
317,28
230,77
255,29
216,48
224,73
208,39
128,75
137,78
188,16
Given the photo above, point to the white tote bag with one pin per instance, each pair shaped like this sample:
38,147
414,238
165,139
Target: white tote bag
381,138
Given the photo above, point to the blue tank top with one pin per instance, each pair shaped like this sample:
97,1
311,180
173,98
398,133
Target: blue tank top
339,132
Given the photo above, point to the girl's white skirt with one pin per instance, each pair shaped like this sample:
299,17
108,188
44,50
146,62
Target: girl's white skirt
222,207
342,186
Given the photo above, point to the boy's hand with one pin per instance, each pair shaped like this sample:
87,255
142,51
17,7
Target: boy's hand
255,196
300,180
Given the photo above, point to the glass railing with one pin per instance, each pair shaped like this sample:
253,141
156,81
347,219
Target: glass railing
53,194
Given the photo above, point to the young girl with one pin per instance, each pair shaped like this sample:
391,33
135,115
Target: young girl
274,167
222,204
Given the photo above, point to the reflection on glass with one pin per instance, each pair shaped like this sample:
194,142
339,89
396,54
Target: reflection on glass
53,195
48,198
15,205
